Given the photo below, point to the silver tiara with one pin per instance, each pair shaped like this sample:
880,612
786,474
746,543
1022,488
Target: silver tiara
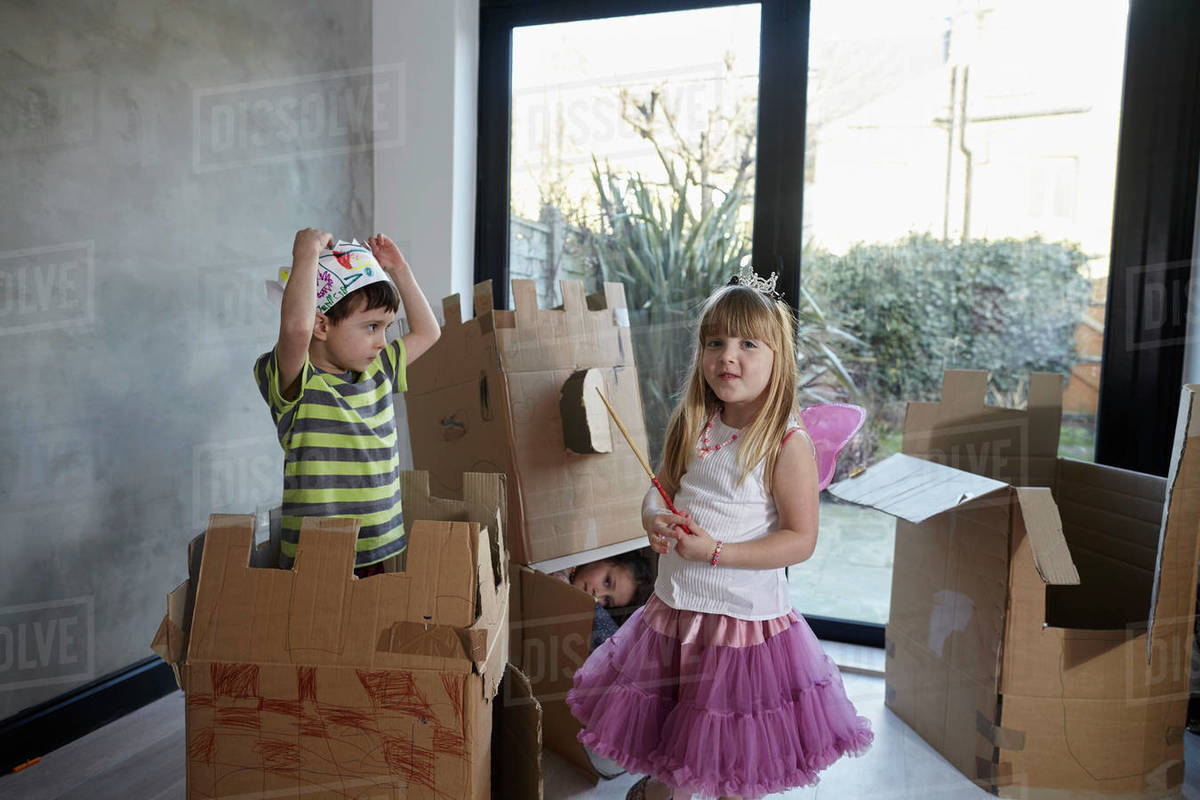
747,277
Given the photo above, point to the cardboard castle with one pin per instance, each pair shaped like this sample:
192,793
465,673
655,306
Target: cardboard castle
310,681
1040,633
514,392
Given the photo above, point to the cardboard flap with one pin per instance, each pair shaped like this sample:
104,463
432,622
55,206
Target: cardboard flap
913,489
1043,526
485,498
525,301
555,623
614,296
320,601
172,647
518,757
1017,446
483,298
195,550
573,296
487,642
415,638
441,565
594,554
585,424
1175,562
170,640
227,546
319,613
964,388
222,625
483,503
452,309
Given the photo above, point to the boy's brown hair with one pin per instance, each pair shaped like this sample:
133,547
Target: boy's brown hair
381,294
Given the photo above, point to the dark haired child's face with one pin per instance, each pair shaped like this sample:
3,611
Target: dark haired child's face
611,584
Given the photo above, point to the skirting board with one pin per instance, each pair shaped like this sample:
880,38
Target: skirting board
48,726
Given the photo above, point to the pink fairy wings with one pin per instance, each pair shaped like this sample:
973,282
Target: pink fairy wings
831,426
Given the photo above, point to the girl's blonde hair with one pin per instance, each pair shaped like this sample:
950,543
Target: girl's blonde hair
745,313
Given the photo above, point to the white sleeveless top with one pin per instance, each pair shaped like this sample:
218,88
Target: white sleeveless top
730,513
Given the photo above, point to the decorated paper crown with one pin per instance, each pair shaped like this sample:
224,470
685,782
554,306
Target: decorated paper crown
348,266
747,277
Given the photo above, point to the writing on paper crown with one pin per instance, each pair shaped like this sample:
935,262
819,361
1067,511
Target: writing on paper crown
340,270
747,277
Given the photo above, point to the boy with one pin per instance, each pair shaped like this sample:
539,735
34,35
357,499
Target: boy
329,383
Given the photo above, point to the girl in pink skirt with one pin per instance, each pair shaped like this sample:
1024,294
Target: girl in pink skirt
717,687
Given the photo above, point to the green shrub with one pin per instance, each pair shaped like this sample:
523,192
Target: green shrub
922,306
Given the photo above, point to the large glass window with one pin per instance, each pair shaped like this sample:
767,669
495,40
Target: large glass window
959,177
958,161
632,160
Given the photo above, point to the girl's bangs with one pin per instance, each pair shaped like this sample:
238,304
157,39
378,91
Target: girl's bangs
740,312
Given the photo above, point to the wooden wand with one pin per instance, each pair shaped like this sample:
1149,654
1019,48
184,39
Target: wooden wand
638,453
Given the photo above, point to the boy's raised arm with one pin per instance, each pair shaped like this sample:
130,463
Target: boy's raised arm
299,308
423,325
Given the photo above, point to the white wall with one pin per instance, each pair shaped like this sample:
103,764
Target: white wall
425,184
156,158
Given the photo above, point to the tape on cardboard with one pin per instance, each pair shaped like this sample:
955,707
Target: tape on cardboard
1004,738
998,774
621,317
889,647
1166,777
1175,734
889,693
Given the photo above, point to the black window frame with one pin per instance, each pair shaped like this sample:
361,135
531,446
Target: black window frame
1154,215
779,175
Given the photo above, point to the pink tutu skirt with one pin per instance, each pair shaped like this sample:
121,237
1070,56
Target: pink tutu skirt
716,705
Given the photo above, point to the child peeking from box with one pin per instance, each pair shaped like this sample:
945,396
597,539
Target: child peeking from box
620,584
329,383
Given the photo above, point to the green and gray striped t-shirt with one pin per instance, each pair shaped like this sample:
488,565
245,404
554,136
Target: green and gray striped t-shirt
340,458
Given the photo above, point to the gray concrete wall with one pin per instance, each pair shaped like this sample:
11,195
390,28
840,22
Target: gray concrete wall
155,161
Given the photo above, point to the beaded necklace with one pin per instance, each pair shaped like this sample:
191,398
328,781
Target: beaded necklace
707,449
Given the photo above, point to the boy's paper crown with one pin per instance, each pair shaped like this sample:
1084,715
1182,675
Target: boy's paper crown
348,266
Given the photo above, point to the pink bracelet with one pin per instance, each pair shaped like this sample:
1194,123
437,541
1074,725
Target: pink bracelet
716,556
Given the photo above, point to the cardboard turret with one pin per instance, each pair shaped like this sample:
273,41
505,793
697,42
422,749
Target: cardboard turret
1040,632
514,392
311,681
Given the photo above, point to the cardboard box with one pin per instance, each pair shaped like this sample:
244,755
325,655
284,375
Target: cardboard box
551,625
1040,633
309,681
490,396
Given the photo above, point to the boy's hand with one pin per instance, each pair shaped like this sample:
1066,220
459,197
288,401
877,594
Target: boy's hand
423,327
309,243
386,252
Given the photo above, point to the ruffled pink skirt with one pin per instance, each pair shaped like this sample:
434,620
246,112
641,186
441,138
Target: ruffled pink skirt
716,705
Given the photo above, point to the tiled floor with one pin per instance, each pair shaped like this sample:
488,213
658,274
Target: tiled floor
140,757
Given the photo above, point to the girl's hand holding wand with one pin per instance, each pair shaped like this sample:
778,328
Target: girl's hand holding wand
692,543
660,527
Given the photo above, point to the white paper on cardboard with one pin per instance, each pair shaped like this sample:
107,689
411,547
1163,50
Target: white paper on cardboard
913,489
